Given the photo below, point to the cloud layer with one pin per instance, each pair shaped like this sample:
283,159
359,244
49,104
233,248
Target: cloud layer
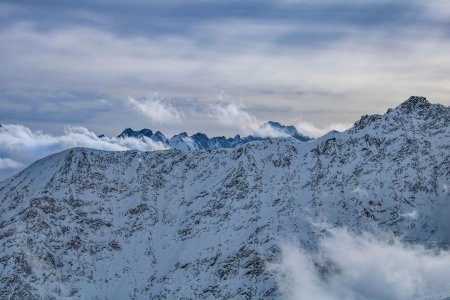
364,267
21,146
328,61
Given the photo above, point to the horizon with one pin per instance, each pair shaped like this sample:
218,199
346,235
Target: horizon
23,145
303,126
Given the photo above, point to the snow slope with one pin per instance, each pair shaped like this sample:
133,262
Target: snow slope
170,224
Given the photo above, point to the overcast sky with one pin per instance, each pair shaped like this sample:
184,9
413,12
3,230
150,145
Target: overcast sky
168,65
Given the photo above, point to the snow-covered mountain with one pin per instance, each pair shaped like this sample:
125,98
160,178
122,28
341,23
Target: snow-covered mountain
172,224
200,141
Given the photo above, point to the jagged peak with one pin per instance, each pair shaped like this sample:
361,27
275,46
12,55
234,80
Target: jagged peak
129,132
280,126
274,123
200,136
415,107
288,129
146,132
414,103
126,133
159,133
181,135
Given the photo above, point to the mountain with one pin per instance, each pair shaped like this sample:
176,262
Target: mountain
172,224
199,141
136,134
288,130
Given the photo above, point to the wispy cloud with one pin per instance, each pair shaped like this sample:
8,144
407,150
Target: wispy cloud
21,146
363,266
310,129
233,115
156,110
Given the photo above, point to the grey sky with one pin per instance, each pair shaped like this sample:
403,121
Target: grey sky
100,64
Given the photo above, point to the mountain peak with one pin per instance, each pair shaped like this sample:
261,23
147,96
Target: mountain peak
414,110
127,133
200,136
289,130
181,135
274,124
415,103
146,132
136,134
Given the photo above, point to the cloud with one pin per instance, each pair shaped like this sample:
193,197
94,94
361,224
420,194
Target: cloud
327,72
21,146
437,9
363,267
310,129
156,110
7,163
233,115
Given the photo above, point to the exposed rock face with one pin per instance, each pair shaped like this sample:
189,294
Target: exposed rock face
180,225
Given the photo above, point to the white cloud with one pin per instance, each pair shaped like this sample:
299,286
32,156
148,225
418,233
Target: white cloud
233,115
156,110
7,163
363,267
21,146
309,129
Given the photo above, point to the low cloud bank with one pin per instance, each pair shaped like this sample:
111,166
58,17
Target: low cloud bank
21,146
363,267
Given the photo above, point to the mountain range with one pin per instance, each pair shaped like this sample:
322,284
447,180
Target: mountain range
172,224
199,141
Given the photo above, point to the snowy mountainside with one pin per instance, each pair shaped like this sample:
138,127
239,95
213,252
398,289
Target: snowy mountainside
200,141
92,224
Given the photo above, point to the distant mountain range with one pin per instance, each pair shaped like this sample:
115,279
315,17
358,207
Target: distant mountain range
199,141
